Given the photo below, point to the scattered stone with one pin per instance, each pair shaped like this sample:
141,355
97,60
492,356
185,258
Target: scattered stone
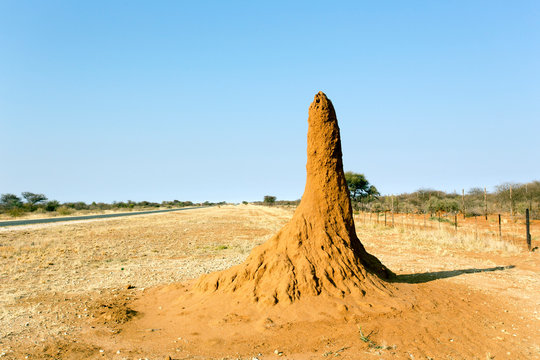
129,286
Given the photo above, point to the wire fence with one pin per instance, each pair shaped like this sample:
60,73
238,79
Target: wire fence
518,230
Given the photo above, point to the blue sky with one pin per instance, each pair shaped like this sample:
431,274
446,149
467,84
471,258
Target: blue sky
118,100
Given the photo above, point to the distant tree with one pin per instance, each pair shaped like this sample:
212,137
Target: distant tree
359,186
32,198
52,205
79,205
10,201
269,200
476,191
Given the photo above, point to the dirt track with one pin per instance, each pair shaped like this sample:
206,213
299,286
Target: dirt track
63,291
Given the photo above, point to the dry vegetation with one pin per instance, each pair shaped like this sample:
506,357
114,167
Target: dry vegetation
58,281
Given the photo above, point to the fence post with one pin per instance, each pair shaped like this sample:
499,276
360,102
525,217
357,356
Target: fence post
528,228
455,222
385,218
500,228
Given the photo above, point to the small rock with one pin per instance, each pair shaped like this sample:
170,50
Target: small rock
129,286
101,350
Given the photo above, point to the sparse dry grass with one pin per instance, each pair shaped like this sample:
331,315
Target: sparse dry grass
440,240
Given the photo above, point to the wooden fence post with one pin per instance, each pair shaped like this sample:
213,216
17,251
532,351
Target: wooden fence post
455,222
528,229
500,228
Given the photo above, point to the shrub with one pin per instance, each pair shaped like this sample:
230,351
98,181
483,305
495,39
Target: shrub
64,210
15,212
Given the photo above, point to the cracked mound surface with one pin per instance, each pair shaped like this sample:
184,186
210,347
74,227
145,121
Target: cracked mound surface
318,251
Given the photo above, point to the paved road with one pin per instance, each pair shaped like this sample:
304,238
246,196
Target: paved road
87,217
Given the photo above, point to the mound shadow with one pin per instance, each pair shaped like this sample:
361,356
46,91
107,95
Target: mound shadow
420,278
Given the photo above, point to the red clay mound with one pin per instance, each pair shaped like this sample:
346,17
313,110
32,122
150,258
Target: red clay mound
318,251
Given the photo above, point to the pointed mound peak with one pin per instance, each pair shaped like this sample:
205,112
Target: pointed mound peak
321,103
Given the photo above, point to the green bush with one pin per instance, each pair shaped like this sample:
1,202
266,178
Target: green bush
15,212
52,205
269,200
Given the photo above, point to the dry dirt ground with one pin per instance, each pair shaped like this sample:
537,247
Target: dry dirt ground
109,289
